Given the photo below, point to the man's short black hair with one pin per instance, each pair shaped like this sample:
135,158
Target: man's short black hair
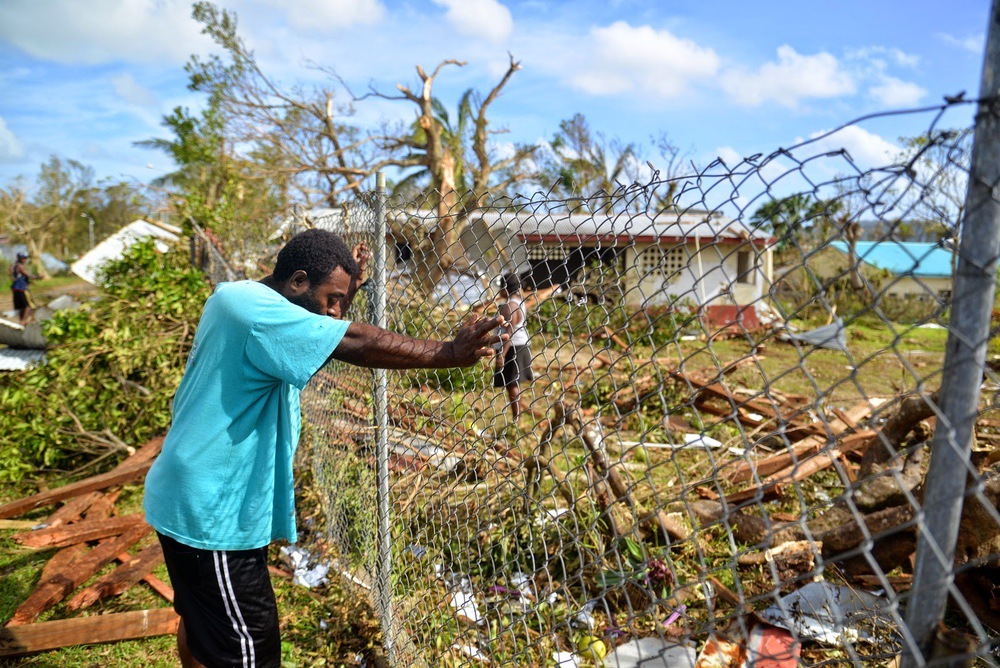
316,252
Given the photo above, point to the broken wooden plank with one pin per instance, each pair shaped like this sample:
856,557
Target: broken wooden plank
788,466
71,511
133,468
62,560
79,532
120,579
719,390
43,636
155,583
102,508
770,487
61,584
803,449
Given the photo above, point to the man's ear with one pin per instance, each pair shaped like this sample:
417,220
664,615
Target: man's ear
298,282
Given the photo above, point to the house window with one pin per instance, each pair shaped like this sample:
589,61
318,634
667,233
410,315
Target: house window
745,267
657,261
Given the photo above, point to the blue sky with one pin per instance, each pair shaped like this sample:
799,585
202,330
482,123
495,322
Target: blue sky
84,80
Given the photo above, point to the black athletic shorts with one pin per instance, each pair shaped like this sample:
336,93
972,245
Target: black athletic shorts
20,299
227,604
516,367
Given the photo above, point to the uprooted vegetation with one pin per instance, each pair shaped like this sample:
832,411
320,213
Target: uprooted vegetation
682,469
586,525
113,366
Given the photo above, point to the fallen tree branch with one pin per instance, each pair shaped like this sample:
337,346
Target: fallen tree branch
594,440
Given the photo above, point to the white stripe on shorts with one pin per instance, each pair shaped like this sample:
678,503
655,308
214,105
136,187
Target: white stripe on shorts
233,608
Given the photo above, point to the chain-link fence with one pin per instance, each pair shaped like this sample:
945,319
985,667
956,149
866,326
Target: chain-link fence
720,454
742,411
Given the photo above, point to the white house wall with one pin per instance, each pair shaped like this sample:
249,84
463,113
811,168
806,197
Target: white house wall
708,276
926,286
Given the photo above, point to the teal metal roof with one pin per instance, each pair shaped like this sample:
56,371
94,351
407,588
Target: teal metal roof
903,258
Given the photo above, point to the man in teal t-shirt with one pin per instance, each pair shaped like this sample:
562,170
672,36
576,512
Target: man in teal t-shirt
222,488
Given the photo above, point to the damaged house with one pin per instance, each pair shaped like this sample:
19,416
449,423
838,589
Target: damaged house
635,259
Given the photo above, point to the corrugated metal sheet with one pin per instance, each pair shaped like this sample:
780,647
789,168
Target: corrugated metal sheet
563,225
13,359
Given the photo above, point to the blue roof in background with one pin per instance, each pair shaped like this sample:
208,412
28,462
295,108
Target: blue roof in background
903,257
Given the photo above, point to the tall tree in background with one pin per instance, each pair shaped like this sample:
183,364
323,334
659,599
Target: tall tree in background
214,185
301,146
593,171
586,167
938,164
300,139
54,215
47,218
456,165
797,221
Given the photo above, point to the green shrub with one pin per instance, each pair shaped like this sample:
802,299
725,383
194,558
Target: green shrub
113,366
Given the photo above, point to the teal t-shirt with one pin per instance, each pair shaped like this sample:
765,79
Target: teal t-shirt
224,478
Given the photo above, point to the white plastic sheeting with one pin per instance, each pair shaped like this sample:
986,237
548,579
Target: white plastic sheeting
112,248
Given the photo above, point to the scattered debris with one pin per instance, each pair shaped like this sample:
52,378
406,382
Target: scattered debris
307,570
766,647
833,614
690,441
89,537
831,337
564,660
652,652
466,607
29,336
15,359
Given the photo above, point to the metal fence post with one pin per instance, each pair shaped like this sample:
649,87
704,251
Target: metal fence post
974,287
383,567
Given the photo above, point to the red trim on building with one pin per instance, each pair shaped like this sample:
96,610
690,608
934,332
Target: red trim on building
642,238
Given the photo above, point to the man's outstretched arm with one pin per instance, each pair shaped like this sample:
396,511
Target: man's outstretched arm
369,346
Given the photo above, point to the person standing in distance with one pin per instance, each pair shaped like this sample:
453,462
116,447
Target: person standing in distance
512,365
20,278
222,488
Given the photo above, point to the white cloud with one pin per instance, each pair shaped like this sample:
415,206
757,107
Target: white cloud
101,31
626,58
128,89
325,15
893,92
487,19
729,155
866,149
10,147
788,81
879,54
973,43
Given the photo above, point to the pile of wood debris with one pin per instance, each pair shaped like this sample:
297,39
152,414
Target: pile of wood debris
88,536
879,449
